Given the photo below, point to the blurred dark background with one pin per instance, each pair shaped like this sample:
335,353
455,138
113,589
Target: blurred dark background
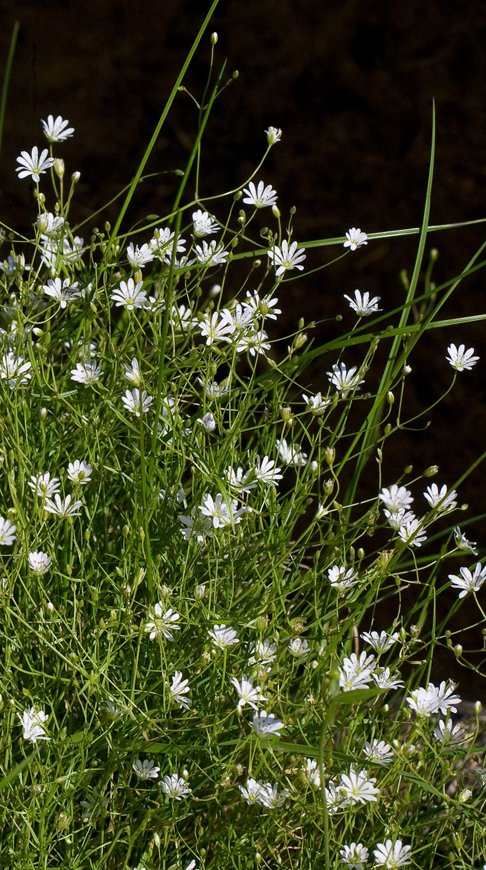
352,87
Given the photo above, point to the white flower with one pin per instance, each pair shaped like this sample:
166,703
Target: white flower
61,291
241,480
220,512
265,724
146,769
253,343
14,370
462,542
291,454
215,328
264,307
449,734
412,533
182,319
160,623
7,532
79,471
175,786
274,134
42,484
130,295
354,856
222,636
379,751
55,130
356,673
137,402
63,508
266,471
468,581
362,305
391,854
460,358
440,499
86,373
197,525
179,690
426,702
49,224
208,422
39,562
132,373
240,318
386,680
263,652
212,254
247,692
316,404
260,196
163,244
396,498
139,257
355,238
397,519
203,224
345,379
380,642
358,787
270,797
341,578
32,721
251,791
299,647
33,164
311,773
286,257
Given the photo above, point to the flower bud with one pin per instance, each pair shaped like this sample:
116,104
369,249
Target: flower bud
328,486
59,167
200,592
330,455
43,414
286,414
390,397
477,707
275,211
214,38
75,177
431,470
314,466
274,134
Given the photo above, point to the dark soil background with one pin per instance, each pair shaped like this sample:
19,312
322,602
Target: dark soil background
352,86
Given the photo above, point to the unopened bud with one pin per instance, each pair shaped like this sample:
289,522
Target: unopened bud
200,592
407,370
328,486
59,167
286,414
75,177
390,397
214,291
43,414
458,649
431,470
300,340
314,466
214,38
275,211
477,707
330,455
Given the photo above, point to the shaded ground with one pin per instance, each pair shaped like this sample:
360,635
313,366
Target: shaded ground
352,86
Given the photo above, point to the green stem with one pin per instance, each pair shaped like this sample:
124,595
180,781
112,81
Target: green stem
6,78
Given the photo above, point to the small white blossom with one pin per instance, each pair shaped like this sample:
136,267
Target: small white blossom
362,305
215,328
32,721
379,751
146,769
203,224
251,791
243,481
79,471
130,295
86,373
355,238
341,578
460,358
286,257
247,692
356,673
160,623
163,244
56,130
139,257
39,562
270,796
208,422
212,254
266,471
175,787
49,224
380,642
253,343
7,532
386,680
469,581
263,652
449,734
137,402
397,519
311,773
291,454
440,498
196,526
462,542
426,702
66,508
34,164
43,485
62,291
260,196
223,636
299,647
14,370
354,856
358,787
265,724
274,134
264,307
220,512
413,533
179,690
316,404
391,855
396,497
345,380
